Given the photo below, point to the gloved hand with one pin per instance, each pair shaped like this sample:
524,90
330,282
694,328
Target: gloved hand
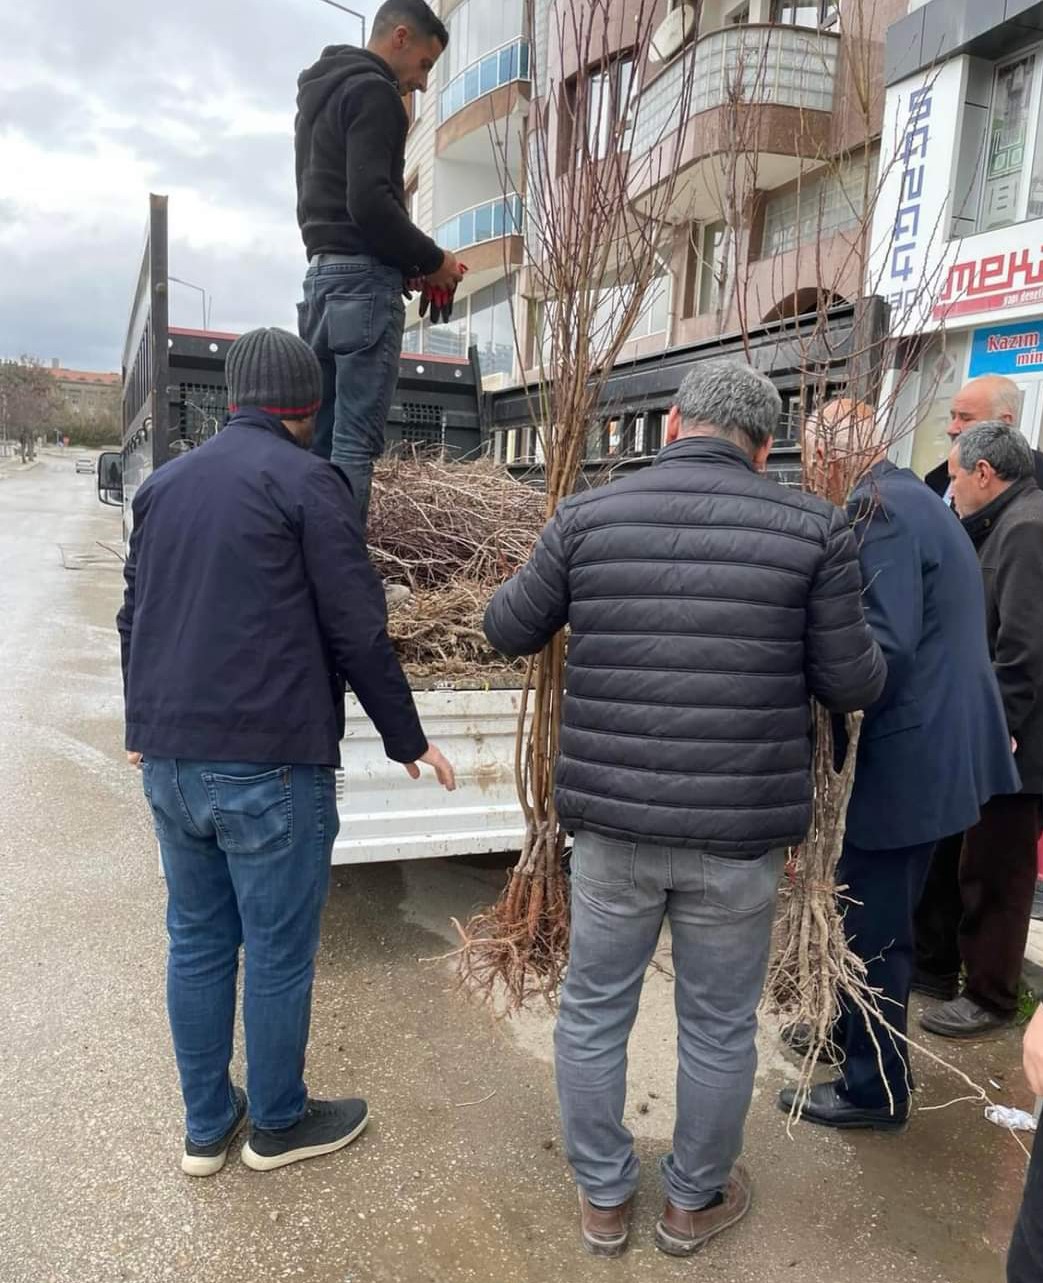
439,301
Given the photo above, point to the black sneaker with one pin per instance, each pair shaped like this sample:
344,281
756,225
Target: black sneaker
207,1160
326,1125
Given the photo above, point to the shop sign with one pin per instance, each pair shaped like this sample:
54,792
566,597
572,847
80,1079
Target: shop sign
1008,349
1010,279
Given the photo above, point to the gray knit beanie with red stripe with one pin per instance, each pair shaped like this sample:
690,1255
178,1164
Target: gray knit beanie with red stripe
276,371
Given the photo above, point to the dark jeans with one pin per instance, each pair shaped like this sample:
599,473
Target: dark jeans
352,317
978,902
246,853
720,914
885,887
1025,1259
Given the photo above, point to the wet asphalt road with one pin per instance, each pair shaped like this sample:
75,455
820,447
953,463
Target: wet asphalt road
460,1178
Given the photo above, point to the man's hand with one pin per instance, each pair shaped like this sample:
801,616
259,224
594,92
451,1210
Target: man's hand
135,760
449,275
1032,1052
413,286
441,765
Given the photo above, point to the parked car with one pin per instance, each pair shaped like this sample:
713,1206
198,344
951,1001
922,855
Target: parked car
83,464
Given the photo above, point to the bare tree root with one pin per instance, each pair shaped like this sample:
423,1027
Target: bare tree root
516,951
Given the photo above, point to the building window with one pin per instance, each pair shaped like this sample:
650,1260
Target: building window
816,14
822,207
411,340
1013,183
413,201
707,273
601,110
492,328
487,49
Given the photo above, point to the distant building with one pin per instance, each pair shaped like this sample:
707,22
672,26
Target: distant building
85,391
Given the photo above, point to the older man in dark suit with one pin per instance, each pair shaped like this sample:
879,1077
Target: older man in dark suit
934,748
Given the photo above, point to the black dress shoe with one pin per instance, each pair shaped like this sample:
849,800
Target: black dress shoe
944,988
798,1039
963,1018
827,1107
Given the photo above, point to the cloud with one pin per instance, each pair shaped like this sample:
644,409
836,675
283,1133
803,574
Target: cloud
102,102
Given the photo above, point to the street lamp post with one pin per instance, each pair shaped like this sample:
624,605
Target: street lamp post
178,281
354,13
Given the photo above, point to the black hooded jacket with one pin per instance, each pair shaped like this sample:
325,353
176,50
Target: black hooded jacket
351,152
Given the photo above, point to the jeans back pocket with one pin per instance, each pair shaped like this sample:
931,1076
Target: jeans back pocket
253,814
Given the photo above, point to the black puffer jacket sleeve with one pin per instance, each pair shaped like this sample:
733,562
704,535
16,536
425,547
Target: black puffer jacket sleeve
844,666
528,610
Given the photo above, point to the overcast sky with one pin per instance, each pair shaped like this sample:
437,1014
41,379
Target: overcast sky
103,101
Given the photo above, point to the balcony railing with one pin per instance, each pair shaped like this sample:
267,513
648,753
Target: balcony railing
776,66
486,222
500,67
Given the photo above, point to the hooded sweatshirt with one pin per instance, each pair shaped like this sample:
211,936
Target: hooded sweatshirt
351,153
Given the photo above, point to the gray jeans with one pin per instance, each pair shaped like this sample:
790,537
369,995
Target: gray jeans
721,914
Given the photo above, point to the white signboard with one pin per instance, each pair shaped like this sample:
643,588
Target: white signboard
918,149
985,279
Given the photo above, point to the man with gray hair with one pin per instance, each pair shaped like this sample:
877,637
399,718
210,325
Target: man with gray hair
993,483
990,396
706,605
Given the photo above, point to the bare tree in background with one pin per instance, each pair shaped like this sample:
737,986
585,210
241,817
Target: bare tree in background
591,266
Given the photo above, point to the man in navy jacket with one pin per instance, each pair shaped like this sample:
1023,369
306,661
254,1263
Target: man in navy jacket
934,748
250,600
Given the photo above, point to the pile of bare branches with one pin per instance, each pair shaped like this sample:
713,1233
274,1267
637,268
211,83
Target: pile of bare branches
453,532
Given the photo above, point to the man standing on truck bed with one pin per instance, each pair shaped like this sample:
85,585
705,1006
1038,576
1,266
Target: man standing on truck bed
362,248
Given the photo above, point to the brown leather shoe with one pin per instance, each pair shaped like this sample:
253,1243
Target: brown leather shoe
605,1230
681,1233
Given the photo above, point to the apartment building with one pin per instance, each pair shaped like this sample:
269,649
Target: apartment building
958,233
797,86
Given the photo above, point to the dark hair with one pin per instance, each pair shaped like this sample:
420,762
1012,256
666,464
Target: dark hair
410,13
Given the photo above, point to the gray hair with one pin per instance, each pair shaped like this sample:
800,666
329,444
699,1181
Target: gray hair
1001,445
729,399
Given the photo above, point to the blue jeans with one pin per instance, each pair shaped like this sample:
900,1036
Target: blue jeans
246,853
720,914
352,317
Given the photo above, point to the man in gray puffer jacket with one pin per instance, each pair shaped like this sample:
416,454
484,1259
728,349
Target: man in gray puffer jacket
707,605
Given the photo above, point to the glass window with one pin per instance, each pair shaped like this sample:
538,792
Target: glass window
1011,168
477,28
492,328
611,100
798,13
411,339
446,340
823,206
483,223
713,268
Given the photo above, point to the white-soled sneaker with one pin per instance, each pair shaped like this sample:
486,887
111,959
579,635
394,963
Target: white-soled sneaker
326,1126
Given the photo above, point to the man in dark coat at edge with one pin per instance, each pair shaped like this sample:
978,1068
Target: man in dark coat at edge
994,486
707,605
927,763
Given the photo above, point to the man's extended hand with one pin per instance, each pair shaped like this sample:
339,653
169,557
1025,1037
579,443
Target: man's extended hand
134,759
1032,1052
449,275
441,765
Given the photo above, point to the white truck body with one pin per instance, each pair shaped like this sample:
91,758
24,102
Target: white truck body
384,815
